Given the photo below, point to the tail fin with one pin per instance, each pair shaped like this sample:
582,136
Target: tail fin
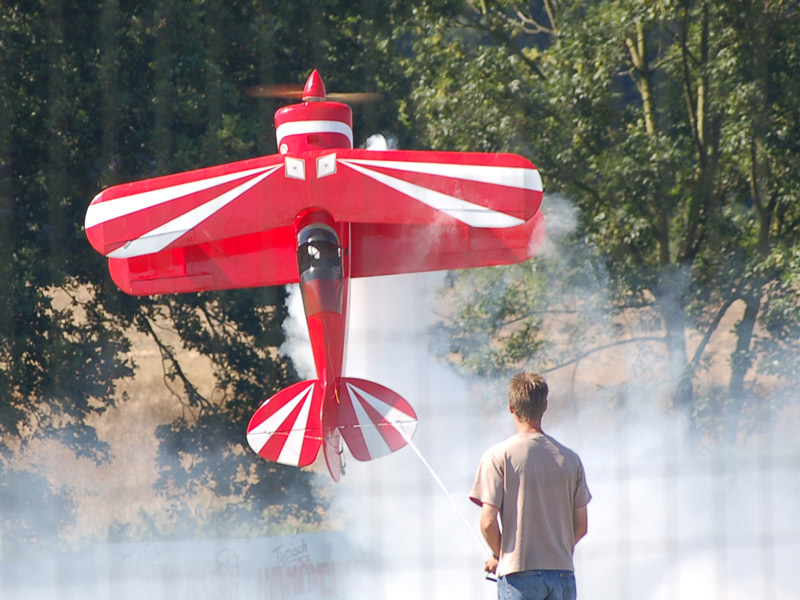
373,420
287,428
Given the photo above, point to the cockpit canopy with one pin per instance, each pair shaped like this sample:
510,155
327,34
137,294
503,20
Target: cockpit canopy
319,253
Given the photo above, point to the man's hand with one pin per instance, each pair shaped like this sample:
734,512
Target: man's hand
490,566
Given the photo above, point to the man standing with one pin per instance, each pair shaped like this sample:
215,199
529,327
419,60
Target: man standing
537,488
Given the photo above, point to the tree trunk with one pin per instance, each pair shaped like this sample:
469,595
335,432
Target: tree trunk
741,361
671,304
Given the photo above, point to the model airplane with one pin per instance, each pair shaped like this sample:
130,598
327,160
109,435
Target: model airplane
317,214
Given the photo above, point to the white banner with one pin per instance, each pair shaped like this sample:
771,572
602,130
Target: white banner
303,566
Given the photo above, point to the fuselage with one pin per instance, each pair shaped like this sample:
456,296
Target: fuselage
322,245
303,130
324,282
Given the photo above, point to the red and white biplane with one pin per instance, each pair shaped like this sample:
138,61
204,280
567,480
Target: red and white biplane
317,214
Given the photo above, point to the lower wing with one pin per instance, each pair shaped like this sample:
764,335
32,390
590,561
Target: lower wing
385,249
252,260
269,258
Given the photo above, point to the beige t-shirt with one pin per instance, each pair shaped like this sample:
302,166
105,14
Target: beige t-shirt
535,482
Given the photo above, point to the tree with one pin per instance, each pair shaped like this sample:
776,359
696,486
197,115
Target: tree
97,95
670,125
57,360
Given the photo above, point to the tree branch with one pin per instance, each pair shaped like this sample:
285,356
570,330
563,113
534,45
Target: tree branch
591,351
504,39
701,347
687,79
531,25
194,397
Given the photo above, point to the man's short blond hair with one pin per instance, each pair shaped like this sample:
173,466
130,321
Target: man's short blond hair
527,396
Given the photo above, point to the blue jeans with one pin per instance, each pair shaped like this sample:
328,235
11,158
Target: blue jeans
537,585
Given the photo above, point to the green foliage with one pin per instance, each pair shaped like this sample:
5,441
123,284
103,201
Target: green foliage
672,129
95,95
503,315
33,512
57,360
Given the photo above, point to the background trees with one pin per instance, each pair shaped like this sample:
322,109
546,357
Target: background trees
666,133
98,94
669,126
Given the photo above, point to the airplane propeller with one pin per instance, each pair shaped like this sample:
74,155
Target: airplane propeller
290,91
314,89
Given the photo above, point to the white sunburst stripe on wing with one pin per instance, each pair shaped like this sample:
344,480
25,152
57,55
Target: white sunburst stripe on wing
260,435
470,213
100,212
159,238
517,177
376,444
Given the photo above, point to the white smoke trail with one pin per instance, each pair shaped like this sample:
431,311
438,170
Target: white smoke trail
394,507
297,344
668,519
664,522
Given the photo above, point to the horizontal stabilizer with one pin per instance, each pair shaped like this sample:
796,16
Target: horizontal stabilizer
287,428
291,426
373,420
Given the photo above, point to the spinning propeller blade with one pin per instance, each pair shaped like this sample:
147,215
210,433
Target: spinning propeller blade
314,90
295,92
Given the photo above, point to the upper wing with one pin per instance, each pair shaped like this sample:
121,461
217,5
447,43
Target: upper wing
186,209
429,188
428,211
232,225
